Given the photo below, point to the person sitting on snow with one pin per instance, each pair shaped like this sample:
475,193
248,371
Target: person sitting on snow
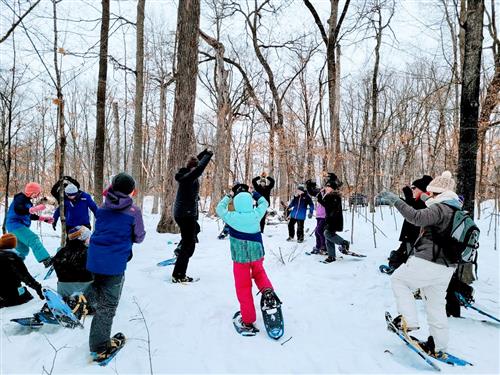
21,213
77,204
247,253
13,272
70,263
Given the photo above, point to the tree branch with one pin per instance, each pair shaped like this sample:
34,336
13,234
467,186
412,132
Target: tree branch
15,24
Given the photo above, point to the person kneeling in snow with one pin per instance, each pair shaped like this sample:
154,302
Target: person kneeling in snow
247,252
427,268
12,273
70,263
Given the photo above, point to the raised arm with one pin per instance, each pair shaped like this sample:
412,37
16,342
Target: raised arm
422,218
198,170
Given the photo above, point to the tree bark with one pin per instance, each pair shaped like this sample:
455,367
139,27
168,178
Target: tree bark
137,172
101,105
469,103
182,140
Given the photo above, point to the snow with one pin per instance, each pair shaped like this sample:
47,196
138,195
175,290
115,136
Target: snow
334,313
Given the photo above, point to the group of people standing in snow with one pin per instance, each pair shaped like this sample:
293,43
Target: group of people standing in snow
94,264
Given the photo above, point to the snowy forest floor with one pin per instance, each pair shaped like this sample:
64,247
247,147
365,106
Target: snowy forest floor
333,313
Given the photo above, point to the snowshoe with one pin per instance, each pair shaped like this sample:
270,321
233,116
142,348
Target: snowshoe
242,328
115,344
272,315
184,280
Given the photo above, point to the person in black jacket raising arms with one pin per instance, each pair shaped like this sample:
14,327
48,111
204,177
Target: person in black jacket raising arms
186,211
263,185
332,201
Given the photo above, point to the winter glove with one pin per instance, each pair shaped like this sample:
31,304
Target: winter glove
38,290
391,198
54,224
407,192
310,215
202,154
35,209
46,219
256,196
47,262
209,153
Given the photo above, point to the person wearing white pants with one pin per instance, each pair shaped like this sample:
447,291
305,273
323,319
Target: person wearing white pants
432,279
427,268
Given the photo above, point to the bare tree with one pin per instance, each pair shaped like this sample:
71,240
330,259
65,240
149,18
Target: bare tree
469,104
19,20
182,140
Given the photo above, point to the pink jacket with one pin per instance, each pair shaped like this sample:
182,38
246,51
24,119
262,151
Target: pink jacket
320,210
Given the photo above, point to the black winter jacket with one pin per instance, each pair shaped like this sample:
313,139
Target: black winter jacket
333,208
186,200
265,191
410,232
13,271
70,263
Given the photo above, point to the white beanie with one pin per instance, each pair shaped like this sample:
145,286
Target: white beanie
71,189
442,183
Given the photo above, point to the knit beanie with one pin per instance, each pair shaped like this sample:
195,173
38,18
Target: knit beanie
32,188
8,241
301,188
71,189
123,183
442,183
422,183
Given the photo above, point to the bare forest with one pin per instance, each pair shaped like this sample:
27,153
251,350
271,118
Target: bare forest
377,91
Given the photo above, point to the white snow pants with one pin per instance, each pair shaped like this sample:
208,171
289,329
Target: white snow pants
432,279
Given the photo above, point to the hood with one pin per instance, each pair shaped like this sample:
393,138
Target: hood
448,197
116,200
243,202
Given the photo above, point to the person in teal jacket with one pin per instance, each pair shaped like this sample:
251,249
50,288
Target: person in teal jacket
247,252
21,213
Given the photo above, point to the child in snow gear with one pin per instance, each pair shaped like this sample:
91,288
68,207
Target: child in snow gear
409,232
427,268
319,231
186,211
118,226
12,273
263,185
77,204
70,263
298,209
21,213
247,251
332,201
56,188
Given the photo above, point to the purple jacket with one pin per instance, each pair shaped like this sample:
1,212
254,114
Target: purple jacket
320,209
118,225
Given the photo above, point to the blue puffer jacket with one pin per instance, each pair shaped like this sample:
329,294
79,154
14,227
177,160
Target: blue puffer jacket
118,225
245,218
76,210
19,213
299,206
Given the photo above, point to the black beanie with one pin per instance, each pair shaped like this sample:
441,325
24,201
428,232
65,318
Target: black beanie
422,183
124,183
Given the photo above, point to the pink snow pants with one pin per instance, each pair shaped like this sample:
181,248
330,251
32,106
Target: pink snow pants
243,275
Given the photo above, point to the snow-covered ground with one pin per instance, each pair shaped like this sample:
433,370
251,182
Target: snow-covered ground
334,314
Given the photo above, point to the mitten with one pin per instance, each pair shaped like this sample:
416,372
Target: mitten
46,219
54,224
201,154
391,198
209,153
47,262
36,209
256,196
407,192
38,290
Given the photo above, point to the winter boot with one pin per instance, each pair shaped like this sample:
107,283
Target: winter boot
289,239
329,259
400,323
79,305
427,346
344,248
315,251
244,329
269,299
185,279
114,344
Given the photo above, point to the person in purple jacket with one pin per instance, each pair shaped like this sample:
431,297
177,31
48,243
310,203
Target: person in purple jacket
118,226
313,191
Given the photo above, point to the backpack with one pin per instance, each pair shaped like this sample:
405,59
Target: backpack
460,241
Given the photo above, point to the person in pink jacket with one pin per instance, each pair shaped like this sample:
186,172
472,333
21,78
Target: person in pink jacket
319,232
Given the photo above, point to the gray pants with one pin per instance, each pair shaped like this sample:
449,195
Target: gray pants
103,295
66,289
332,239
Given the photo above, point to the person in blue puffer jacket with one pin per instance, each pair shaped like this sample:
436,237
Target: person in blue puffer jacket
118,226
298,206
77,204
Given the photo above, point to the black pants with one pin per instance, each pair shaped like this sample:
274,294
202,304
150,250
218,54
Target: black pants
300,228
189,229
263,223
452,302
400,256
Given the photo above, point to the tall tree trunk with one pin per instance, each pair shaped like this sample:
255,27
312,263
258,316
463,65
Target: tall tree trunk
159,147
182,140
116,126
469,103
139,96
101,105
